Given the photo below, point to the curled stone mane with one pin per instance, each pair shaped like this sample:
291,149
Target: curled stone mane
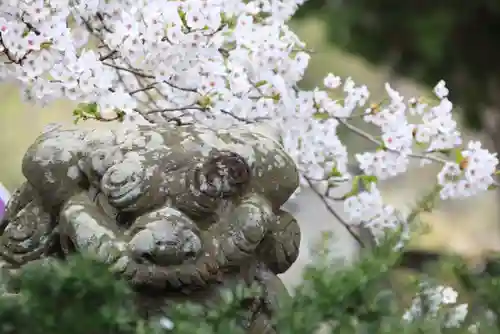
224,174
26,234
123,183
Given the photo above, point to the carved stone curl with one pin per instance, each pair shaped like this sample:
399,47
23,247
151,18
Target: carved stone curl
181,212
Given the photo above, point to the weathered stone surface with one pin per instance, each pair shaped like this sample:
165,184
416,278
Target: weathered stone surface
182,210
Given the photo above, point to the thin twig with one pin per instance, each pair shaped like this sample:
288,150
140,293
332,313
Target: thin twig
130,70
108,56
191,107
335,214
369,137
11,57
30,26
149,76
241,119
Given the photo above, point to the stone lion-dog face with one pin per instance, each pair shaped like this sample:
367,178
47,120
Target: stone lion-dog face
235,180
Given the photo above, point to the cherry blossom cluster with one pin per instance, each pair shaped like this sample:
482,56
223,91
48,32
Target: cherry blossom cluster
368,208
437,301
201,60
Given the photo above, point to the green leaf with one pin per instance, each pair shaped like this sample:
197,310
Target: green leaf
458,155
205,101
334,173
182,15
354,189
420,145
260,83
45,45
321,116
368,180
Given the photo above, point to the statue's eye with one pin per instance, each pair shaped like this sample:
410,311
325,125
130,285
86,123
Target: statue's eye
226,172
239,173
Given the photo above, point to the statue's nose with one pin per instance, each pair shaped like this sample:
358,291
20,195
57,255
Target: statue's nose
142,246
142,242
149,246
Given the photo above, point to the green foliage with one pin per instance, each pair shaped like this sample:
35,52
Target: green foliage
82,296
86,111
427,40
75,297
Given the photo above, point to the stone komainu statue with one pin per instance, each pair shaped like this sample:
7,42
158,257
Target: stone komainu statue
186,210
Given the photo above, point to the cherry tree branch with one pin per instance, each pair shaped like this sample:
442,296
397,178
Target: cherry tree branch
334,213
372,139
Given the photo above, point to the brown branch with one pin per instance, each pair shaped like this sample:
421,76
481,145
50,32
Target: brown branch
148,76
10,57
30,26
6,52
143,89
130,70
241,119
191,107
108,55
335,214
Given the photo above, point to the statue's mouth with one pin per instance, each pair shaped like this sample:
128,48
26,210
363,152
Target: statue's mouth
145,258
173,258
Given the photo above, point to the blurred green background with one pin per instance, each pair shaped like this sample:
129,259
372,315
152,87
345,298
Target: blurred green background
469,227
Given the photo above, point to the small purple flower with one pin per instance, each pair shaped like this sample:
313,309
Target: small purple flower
4,198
